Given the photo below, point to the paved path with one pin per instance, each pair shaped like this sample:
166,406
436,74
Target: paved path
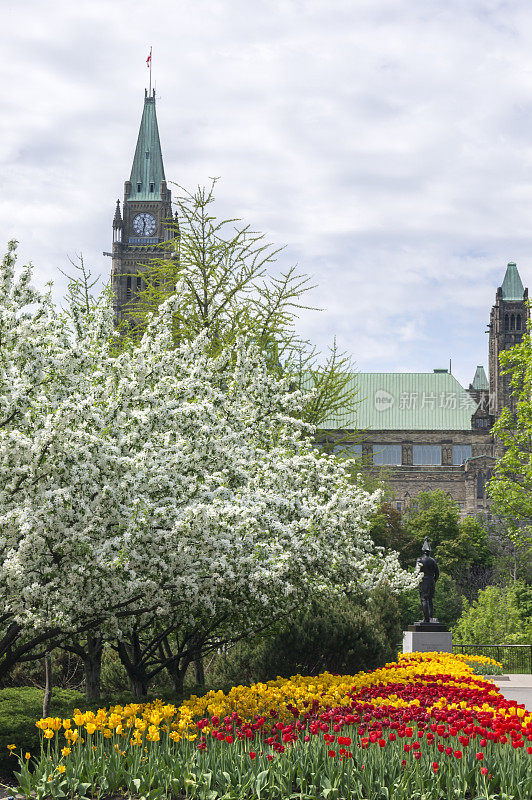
518,687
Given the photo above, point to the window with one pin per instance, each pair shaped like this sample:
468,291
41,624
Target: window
506,322
147,153
461,452
518,322
387,455
151,187
481,422
139,185
128,287
427,455
347,449
139,284
512,322
480,486
398,506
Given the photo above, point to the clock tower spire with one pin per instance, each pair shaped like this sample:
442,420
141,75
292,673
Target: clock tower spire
146,214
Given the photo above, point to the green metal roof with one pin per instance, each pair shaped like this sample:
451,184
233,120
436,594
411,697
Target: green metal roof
480,380
147,166
430,401
512,285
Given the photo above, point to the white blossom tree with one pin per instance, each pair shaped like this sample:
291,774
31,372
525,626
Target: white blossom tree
158,488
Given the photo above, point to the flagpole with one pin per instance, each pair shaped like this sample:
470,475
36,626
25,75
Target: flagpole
150,72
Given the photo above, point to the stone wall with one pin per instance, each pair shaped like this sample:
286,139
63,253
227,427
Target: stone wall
461,483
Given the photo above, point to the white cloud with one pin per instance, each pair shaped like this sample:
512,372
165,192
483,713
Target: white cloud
386,143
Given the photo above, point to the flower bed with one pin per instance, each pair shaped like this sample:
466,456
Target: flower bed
425,726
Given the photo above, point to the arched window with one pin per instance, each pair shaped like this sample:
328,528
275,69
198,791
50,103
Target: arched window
506,322
480,486
512,322
518,322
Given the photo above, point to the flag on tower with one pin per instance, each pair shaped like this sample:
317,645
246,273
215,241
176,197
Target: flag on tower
148,60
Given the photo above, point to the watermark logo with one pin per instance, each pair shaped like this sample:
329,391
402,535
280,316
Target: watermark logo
383,400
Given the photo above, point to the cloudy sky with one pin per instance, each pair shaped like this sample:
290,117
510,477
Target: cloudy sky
387,144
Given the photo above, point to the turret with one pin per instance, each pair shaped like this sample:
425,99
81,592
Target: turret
508,322
479,390
117,224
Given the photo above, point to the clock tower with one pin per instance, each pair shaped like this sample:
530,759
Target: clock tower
142,226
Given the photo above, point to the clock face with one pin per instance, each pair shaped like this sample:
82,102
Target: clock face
144,224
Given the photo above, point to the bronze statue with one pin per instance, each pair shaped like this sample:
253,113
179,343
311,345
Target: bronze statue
431,573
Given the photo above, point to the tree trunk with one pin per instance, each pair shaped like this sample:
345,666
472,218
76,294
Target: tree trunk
139,686
131,658
93,666
199,671
178,680
47,683
177,671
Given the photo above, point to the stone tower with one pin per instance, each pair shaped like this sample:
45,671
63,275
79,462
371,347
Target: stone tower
142,225
508,321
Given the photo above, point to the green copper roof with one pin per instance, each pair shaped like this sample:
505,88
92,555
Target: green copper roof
148,169
480,380
420,401
512,285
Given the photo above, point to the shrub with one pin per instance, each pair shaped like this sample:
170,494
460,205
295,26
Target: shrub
114,678
332,634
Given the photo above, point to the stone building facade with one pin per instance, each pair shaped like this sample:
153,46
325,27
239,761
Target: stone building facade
424,431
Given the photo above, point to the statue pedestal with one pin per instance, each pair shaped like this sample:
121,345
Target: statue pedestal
427,637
